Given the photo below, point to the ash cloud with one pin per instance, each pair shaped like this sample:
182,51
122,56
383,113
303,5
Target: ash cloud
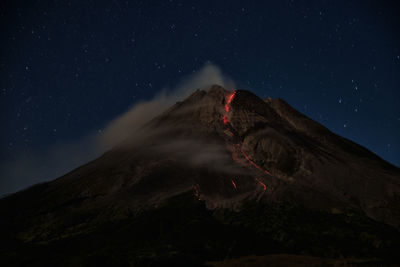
129,122
36,167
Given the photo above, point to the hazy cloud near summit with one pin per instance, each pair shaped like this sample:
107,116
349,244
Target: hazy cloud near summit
123,126
40,166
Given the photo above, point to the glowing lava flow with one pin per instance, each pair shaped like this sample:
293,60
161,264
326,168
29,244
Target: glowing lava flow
235,157
262,184
225,119
234,184
253,163
227,105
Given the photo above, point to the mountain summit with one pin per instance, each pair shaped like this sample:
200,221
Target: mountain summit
229,160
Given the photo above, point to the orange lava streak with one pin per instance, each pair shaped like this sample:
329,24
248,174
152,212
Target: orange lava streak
253,163
235,155
225,119
234,185
227,107
262,184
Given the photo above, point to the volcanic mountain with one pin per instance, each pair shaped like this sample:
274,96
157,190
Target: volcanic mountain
217,176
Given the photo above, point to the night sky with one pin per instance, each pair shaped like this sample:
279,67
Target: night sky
67,68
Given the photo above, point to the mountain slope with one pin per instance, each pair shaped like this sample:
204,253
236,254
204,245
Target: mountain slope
239,164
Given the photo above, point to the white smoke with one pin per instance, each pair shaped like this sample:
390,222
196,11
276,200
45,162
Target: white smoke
140,113
42,166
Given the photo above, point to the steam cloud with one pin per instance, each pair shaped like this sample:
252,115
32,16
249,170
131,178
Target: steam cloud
123,126
59,159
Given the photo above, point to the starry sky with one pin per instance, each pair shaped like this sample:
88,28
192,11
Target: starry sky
67,68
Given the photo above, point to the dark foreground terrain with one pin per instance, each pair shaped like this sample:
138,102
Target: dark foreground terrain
184,233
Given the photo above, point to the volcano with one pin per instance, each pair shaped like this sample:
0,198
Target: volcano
221,179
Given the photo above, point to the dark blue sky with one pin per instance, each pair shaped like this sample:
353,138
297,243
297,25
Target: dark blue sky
69,67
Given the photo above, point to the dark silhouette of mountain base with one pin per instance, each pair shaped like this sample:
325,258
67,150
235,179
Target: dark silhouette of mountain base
213,180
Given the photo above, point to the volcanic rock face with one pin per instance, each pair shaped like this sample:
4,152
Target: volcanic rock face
225,148
276,154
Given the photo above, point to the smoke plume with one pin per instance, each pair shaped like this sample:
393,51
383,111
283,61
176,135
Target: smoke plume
37,167
129,122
